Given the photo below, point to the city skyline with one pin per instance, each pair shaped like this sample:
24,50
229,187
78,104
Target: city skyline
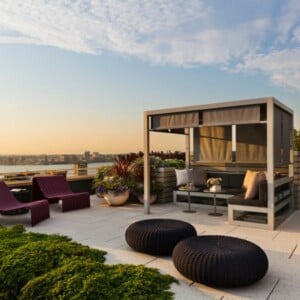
79,75
45,159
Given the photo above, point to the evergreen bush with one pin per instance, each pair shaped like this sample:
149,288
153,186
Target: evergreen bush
40,266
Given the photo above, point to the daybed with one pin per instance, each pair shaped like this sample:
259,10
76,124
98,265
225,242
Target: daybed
248,188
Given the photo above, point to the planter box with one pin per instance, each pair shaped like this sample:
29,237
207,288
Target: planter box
167,178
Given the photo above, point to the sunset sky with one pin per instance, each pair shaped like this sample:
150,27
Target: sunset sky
78,75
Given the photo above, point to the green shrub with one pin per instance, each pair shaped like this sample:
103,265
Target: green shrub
296,140
77,279
39,266
102,172
15,236
139,282
86,280
174,162
36,258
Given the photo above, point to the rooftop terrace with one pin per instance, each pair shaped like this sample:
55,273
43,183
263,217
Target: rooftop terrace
104,227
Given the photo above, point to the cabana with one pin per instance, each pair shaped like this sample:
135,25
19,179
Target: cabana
233,137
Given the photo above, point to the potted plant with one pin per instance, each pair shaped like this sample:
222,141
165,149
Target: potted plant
113,189
102,172
113,183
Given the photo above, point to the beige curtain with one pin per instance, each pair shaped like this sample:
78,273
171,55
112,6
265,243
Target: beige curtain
229,116
251,143
282,136
176,120
215,143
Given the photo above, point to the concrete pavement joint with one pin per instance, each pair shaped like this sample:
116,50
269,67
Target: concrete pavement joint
293,251
275,285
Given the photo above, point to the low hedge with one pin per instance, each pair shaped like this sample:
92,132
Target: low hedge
39,266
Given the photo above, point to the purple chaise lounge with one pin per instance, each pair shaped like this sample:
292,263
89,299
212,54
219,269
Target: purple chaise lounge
55,188
39,209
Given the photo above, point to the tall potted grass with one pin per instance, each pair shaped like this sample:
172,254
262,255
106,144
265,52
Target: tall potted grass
113,183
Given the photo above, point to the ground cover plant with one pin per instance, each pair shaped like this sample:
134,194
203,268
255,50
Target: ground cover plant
40,266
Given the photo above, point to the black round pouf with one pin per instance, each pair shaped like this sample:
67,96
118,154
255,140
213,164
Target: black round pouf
220,261
157,236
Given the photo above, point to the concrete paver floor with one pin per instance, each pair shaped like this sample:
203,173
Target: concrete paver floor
104,227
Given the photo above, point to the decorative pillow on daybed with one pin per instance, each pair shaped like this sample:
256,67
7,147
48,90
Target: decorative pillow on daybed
183,176
249,174
252,185
199,177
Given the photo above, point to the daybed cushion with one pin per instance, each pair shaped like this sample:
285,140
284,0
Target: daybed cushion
260,200
240,200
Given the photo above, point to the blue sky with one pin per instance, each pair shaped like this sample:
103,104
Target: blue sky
77,75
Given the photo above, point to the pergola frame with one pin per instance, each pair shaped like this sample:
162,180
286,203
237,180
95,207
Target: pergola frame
157,120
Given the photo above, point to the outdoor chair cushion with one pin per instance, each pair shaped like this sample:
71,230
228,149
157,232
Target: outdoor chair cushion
158,236
220,261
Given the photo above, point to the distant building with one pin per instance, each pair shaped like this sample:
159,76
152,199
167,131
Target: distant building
87,156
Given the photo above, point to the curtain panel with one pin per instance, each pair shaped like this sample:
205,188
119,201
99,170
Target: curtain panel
251,143
282,136
175,120
230,116
215,143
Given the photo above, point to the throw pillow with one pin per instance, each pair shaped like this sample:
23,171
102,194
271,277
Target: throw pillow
253,184
199,177
183,176
247,178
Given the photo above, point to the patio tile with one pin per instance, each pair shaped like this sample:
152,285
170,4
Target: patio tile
286,289
124,256
257,291
184,290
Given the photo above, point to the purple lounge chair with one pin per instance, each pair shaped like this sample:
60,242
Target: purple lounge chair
55,188
39,209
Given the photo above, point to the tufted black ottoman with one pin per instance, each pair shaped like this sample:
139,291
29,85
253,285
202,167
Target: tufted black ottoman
220,261
157,236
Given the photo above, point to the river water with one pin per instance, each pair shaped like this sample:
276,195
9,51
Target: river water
92,168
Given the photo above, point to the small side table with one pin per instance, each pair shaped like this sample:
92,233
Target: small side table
189,190
215,213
